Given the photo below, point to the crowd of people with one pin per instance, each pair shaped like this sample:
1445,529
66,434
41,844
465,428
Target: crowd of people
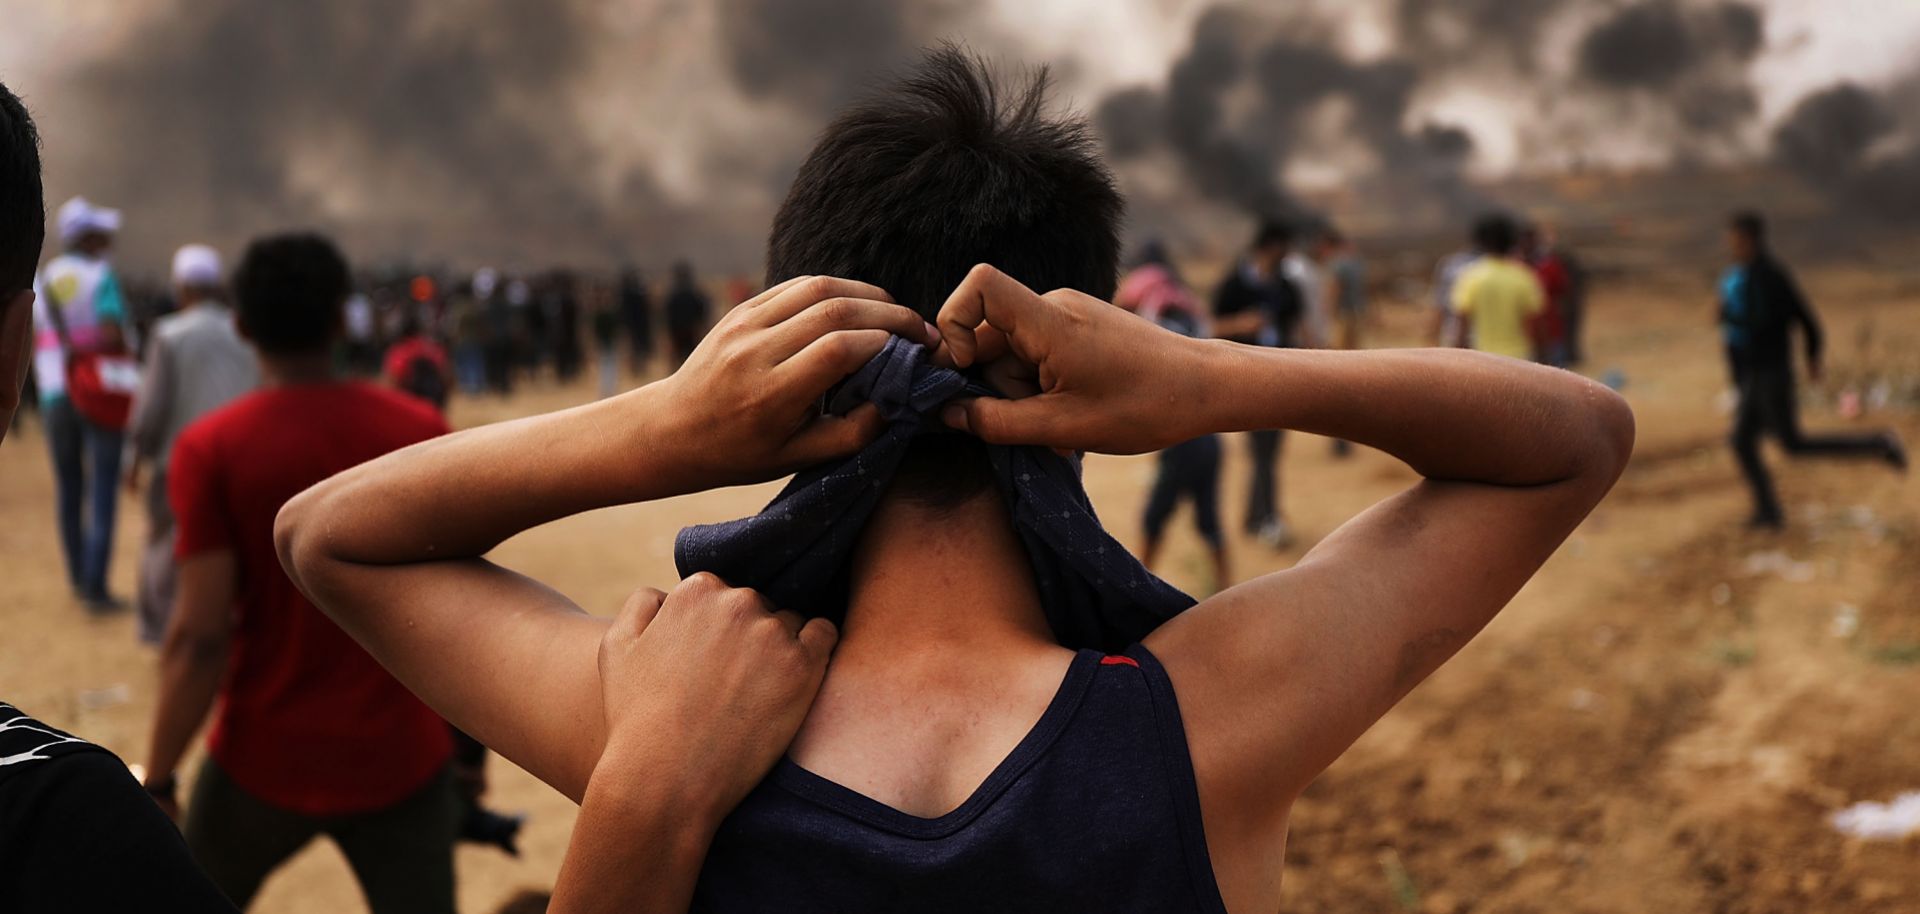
318,588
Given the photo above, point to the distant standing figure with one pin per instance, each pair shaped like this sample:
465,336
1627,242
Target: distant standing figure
1573,305
79,307
196,363
606,339
688,310
1497,295
636,312
1448,329
1346,287
1188,471
1259,305
1759,306
416,364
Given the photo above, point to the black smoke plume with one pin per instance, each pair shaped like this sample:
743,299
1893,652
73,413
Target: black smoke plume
402,117
1235,111
1859,146
1691,57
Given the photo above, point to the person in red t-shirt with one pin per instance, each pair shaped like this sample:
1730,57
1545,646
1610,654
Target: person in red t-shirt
1548,329
312,736
417,364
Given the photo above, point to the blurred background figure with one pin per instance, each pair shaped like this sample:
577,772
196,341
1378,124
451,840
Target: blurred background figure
688,311
311,735
196,363
1573,301
561,307
1548,328
1448,328
636,315
1347,290
81,310
603,306
1760,305
1306,269
1497,295
1257,304
1188,471
416,364
467,326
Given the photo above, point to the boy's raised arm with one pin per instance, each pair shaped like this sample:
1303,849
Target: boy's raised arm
1279,675
391,549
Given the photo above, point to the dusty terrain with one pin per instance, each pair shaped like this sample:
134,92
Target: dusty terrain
1661,721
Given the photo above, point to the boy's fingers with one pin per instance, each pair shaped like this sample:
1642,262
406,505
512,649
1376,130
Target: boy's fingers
831,357
799,295
985,296
997,421
817,638
639,611
839,315
829,437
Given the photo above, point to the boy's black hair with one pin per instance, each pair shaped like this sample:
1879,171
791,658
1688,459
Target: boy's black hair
911,187
1750,224
23,211
1272,233
1496,233
288,292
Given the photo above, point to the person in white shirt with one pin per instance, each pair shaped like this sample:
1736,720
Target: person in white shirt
196,362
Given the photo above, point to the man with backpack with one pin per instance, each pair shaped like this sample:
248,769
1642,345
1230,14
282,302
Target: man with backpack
80,314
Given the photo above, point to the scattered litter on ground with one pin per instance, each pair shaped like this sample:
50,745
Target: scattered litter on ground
1846,620
1583,700
1881,821
1722,593
1779,563
101,699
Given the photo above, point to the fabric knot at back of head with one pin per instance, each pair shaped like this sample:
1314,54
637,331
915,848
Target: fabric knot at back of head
796,550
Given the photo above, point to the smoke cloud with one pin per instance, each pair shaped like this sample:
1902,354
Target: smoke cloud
1859,146
1244,100
1691,58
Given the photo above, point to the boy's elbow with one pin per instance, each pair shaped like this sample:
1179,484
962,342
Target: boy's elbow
294,541
1613,432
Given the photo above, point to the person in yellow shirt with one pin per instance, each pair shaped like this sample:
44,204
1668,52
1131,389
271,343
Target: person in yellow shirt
1497,294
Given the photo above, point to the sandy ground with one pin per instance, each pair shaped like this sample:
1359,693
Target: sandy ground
1661,721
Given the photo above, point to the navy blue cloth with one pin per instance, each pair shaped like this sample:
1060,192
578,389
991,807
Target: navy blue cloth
1095,810
796,550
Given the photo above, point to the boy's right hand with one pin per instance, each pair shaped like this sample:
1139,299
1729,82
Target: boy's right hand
705,688
1108,380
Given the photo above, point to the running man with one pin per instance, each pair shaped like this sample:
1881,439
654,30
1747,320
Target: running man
1760,305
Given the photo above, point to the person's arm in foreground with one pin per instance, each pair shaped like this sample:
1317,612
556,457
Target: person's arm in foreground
1279,675
193,660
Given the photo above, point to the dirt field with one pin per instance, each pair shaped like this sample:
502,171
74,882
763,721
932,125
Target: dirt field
1661,722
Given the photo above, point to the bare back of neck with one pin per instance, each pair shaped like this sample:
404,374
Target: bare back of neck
945,660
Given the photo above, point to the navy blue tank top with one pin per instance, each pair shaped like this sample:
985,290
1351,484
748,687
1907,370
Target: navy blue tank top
1094,810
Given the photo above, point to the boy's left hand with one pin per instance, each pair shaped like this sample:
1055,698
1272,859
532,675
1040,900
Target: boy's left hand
745,406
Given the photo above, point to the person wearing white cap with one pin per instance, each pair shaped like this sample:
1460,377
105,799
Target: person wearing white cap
196,363
79,308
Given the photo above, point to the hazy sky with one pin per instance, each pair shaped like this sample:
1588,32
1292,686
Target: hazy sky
656,113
